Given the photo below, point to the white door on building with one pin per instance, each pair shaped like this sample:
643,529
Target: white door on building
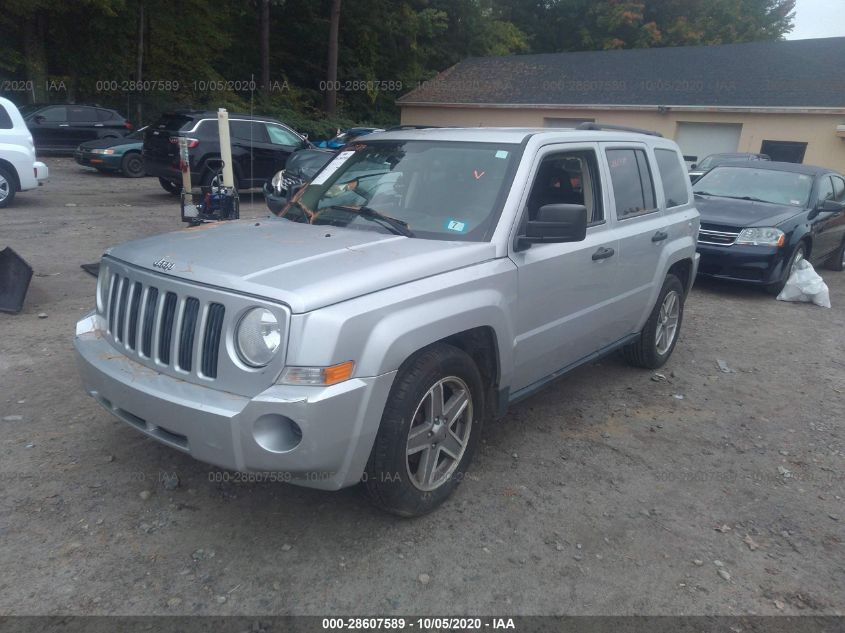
698,140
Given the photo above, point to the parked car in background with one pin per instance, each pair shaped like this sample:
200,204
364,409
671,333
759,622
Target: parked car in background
347,136
61,128
421,283
759,218
697,170
114,155
260,148
301,167
19,171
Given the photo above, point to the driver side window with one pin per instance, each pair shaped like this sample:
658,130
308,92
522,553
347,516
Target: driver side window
567,178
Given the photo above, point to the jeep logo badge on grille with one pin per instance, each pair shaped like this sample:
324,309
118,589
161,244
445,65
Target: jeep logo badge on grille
164,264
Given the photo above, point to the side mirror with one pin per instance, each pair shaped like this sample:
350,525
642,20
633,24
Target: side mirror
830,206
825,206
38,119
694,166
555,223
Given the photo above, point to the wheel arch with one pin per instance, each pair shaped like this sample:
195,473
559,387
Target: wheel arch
13,171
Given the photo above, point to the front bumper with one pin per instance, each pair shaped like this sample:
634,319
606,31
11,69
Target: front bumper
101,161
326,447
750,264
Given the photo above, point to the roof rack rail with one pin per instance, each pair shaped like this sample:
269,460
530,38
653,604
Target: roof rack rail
617,128
397,128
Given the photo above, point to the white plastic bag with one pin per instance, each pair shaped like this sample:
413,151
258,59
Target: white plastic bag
805,284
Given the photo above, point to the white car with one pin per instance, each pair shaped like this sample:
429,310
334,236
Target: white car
19,170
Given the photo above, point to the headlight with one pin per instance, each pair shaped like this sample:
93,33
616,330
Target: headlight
102,151
102,288
766,236
258,337
278,181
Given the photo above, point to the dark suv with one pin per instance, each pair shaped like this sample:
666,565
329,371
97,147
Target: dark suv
59,128
260,148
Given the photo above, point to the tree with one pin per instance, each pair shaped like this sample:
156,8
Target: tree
331,65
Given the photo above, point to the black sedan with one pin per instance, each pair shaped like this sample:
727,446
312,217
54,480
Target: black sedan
758,219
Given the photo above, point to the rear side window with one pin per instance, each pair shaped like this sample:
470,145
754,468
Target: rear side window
5,119
81,115
106,115
53,115
633,188
172,122
672,174
248,131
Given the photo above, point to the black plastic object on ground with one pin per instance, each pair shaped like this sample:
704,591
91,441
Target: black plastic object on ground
15,275
91,269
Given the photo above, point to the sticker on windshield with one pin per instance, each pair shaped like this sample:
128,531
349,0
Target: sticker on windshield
329,170
456,225
501,154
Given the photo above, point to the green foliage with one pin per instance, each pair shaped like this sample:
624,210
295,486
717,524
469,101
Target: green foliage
210,55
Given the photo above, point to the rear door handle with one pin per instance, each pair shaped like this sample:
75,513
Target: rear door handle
603,253
659,236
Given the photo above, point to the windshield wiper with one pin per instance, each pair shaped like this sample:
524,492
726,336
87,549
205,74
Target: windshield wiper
703,193
397,227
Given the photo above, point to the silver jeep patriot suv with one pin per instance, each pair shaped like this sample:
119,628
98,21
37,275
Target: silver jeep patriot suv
422,282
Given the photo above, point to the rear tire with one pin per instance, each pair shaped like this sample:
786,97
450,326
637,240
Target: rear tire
132,165
837,260
660,334
170,187
430,429
7,188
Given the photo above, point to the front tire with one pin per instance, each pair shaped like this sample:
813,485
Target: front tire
658,338
797,255
170,187
132,165
7,188
430,429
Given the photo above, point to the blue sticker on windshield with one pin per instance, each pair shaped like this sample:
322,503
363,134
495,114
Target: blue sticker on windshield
456,225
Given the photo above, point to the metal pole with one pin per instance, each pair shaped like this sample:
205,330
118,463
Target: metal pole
225,148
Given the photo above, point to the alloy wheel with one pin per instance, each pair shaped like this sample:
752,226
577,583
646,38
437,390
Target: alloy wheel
667,322
439,433
5,187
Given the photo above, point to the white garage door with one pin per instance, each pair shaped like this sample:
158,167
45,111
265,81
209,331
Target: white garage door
698,140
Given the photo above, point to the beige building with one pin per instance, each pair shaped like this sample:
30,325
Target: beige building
785,98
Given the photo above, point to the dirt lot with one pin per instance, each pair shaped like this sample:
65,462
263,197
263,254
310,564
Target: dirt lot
611,492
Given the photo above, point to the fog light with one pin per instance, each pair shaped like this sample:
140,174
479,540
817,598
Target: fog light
276,433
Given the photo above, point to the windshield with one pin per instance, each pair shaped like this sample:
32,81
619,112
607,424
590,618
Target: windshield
763,185
429,189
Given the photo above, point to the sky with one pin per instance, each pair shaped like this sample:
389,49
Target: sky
818,18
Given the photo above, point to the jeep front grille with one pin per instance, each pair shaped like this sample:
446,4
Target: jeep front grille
166,324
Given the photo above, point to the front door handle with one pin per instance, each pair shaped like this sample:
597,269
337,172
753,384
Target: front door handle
659,236
603,253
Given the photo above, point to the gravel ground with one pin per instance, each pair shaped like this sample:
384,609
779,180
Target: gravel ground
614,491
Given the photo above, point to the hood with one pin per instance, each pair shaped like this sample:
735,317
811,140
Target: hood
304,266
105,143
742,213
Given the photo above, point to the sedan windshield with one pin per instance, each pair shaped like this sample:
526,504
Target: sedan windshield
429,189
760,185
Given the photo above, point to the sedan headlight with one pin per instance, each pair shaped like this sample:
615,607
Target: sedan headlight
765,236
278,181
102,151
258,337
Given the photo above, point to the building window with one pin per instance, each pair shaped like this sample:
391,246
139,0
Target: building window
784,151
633,187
